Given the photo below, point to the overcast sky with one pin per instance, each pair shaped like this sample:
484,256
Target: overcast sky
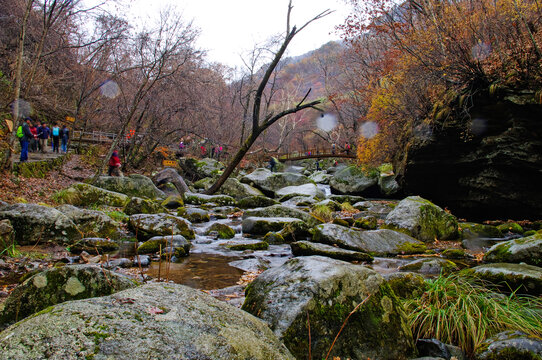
232,27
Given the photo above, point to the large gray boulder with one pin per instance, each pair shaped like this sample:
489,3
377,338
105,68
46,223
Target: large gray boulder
38,224
138,205
251,202
199,169
423,220
92,223
320,177
238,190
263,225
381,242
323,292
303,190
308,248
170,175
148,225
131,185
430,266
352,180
7,234
527,250
155,321
282,211
81,194
175,244
269,182
523,278
58,285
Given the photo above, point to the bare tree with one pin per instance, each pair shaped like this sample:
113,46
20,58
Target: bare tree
263,120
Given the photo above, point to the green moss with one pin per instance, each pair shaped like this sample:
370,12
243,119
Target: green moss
454,254
224,231
273,238
151,246
511,227
412,248
342,222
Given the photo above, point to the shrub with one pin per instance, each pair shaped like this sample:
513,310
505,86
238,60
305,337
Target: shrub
322,213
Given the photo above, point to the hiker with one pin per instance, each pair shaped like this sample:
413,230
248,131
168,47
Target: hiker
333,148
55,131
203,151
272,164
64,136
213,151
24,135
114,165
318,165
43,134
347,148
33,145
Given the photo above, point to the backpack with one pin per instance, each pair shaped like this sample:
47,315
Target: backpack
20,132
56,131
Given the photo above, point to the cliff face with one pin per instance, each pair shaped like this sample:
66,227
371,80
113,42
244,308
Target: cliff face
487,165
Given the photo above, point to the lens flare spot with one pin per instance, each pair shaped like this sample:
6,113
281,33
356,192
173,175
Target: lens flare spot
369,129
23,107
109,89
478,126
326,122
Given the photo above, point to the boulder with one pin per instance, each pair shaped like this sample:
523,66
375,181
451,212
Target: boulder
527,250
305,189
199,199
251,202
469,230
331,204
510,345
58,285
406,285
131,185
263,225
173,202
378,209
282,211
320,177
511,227
138,205
522,278
170,175
92,223
155,321
326,291
430,266
7,234
375,242
247,245
178,244
237,190
308,248
352,199
297,200
148,225
194,215
352,180
223,230
388,185
80,194
423,220
199,169
36,223
95,246
269,182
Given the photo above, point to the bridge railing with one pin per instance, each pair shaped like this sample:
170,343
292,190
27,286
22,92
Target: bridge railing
314,153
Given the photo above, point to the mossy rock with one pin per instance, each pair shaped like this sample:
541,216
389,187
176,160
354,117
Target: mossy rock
199,199
178,243
252,202
406,285
203,184
194,215
282,211
423,220
527,250
518,278
223,230
274,238
94,246
143,206
326,292
173,202
510,345
353,180
473,230
366,223
39,169
148,225
92,223
58,285
80,194
430,266
341,222
454,254
295,231
308,248
253,245
131,185
263,225
511,227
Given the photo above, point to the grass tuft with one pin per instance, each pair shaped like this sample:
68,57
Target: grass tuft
322,213
460,310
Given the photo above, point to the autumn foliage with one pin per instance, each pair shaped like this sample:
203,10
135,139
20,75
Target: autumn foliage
414,58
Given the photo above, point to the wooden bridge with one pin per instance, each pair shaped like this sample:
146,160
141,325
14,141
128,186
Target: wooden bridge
315,154
96,137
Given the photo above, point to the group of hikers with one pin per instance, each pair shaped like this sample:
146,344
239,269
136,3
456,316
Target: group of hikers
216,150
35,138
346,148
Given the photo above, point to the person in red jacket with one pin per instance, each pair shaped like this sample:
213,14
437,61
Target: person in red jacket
114,165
